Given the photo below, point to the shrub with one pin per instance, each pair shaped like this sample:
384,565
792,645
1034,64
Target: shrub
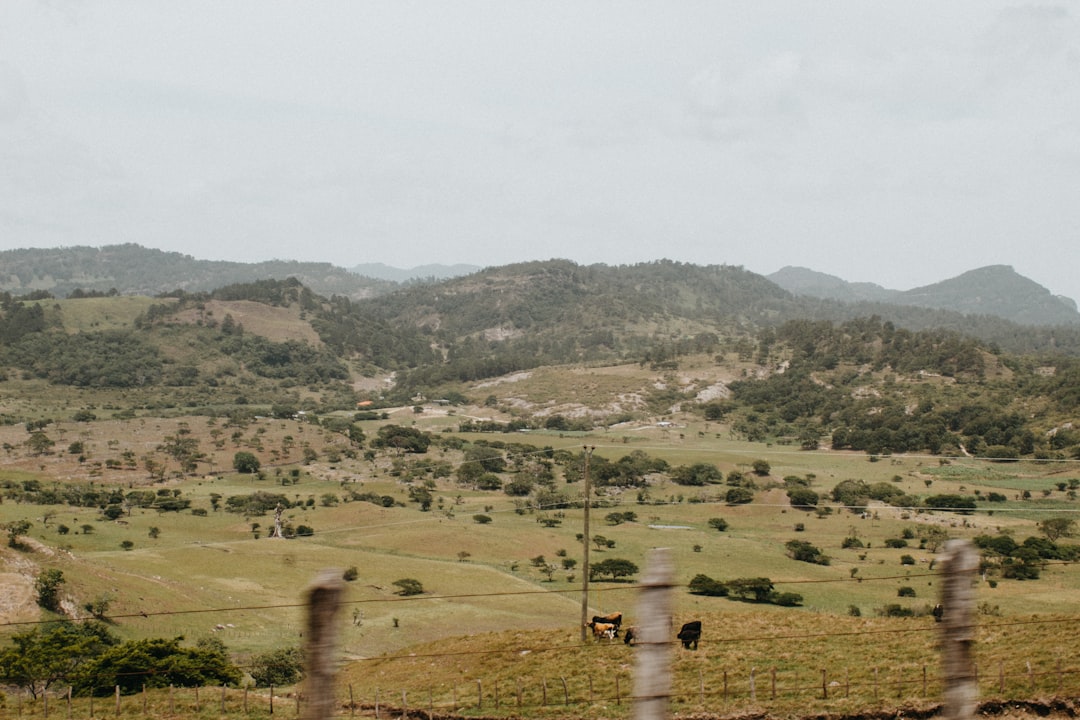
787,599
907,560
895,543
804,551
351,574
284,666
408,586
481,519
245,462
895,610
719,524
739,496
906,591
705,585
802,497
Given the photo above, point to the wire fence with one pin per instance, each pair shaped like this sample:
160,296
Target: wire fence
602,685
723,691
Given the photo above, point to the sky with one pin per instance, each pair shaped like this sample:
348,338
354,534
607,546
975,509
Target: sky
900,143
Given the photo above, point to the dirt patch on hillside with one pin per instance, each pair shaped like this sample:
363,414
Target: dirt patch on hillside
275,323
17,601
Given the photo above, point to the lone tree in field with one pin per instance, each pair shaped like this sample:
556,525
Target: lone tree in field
409,586
14,529
1058,527
615,567
245,462
47,586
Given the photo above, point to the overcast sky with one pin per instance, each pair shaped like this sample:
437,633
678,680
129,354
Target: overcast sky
900,143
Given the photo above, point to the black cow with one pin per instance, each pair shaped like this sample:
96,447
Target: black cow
630,635
690,633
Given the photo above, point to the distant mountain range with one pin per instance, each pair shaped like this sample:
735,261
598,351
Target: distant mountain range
996,290
420,272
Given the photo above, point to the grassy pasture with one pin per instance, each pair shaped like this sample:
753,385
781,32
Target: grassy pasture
485,601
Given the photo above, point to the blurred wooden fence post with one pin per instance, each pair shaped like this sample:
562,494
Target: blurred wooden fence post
320,636
652,672
960,563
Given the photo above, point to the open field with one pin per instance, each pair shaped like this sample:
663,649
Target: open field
489,613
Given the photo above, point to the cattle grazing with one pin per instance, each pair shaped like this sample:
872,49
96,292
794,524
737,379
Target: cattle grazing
690,633
602,630
614,618
629,635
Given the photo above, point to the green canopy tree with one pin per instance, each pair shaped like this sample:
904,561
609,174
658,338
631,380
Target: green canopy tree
51,654
615,567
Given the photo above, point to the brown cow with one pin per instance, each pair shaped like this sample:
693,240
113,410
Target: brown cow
602,630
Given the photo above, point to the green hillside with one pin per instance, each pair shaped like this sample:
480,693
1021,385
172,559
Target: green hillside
436,435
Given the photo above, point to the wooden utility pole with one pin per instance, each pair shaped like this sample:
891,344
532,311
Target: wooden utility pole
652,671
960,563
320,646
585,556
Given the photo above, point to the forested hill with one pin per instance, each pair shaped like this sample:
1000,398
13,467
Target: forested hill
996,290
557,311
131,269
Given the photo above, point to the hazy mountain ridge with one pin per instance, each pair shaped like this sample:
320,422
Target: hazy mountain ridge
433,271
131,269
996,290
135,270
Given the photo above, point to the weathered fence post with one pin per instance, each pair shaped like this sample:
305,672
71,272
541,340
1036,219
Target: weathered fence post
479,695
652,672
772,683
117,691
352,703
824,685
320,636
144,699
376,703
404,705
144,709
543,687
960,563
45,704
753,683
565,692
197,708
223,698
700,687
725,684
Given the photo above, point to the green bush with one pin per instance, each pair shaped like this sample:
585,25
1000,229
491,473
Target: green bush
409,586
705,585
284,666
